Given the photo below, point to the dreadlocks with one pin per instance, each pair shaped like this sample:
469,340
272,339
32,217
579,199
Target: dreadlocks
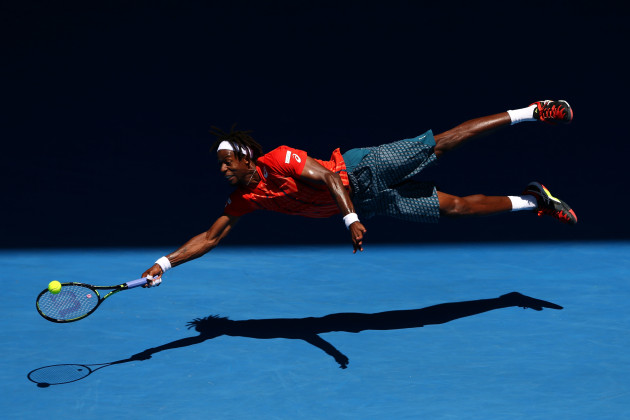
239,140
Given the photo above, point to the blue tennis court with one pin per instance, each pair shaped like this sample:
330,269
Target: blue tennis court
296,313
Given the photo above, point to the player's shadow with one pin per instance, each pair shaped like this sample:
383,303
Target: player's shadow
307,329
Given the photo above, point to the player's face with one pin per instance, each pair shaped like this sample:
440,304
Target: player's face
233,169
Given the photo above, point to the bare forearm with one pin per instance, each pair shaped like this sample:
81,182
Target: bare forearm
204,242
315,173
339,193
193,248
341,196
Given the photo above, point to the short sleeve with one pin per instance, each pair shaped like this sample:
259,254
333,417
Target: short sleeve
285,161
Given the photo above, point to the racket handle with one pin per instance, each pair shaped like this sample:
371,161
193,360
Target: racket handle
136,283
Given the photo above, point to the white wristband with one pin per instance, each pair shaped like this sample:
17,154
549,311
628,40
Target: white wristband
350,218
164,263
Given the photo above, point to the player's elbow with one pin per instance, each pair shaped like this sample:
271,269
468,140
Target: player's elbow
214,242
332,179
210,241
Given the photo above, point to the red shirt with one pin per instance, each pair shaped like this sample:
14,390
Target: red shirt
281,190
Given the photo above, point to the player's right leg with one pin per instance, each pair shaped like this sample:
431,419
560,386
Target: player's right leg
535,198
552,112
472,205
550,205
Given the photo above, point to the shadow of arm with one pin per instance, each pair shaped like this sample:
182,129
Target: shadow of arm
319,342
183,342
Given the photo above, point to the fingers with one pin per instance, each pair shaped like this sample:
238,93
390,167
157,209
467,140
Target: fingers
357,231
154,281
343,361
153,276
151,281
357,244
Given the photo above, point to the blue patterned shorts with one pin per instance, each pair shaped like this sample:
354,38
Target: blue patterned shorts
381,180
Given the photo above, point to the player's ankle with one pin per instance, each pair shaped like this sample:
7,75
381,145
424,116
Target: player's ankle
522,114
523,202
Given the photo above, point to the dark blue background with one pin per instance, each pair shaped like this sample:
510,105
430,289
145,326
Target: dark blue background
106,109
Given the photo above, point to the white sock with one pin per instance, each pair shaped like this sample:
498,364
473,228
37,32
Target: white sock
523,114
523,202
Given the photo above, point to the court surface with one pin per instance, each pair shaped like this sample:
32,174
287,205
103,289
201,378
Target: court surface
277,359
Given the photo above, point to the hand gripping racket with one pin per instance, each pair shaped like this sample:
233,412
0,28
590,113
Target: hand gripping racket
75,301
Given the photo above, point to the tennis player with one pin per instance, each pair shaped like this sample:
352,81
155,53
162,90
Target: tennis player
361,183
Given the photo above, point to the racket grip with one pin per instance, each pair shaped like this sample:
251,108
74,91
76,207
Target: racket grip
136,283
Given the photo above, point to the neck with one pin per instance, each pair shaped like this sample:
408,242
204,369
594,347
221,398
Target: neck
253,179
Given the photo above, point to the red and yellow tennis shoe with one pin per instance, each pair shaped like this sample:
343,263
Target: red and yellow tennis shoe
550,205
553,112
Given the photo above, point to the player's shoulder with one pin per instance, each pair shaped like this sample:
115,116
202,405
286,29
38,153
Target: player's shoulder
282,155
280,151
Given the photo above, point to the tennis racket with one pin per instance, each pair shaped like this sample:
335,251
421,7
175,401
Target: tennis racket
75,301
66,373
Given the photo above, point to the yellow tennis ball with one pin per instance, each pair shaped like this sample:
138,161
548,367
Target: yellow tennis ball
54,287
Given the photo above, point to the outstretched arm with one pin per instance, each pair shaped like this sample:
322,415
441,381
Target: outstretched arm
182,342
196,246
315,173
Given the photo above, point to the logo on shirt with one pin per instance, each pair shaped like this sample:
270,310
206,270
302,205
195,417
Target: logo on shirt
229,201
287,158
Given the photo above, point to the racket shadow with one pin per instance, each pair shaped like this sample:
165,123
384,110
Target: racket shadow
66,373
306,329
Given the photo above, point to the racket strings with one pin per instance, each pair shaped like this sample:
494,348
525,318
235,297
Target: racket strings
59,374
71,302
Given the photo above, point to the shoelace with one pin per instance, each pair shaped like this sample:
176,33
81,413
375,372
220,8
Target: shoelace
553,112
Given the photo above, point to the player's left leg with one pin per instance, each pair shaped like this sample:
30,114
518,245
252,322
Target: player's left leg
552,112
